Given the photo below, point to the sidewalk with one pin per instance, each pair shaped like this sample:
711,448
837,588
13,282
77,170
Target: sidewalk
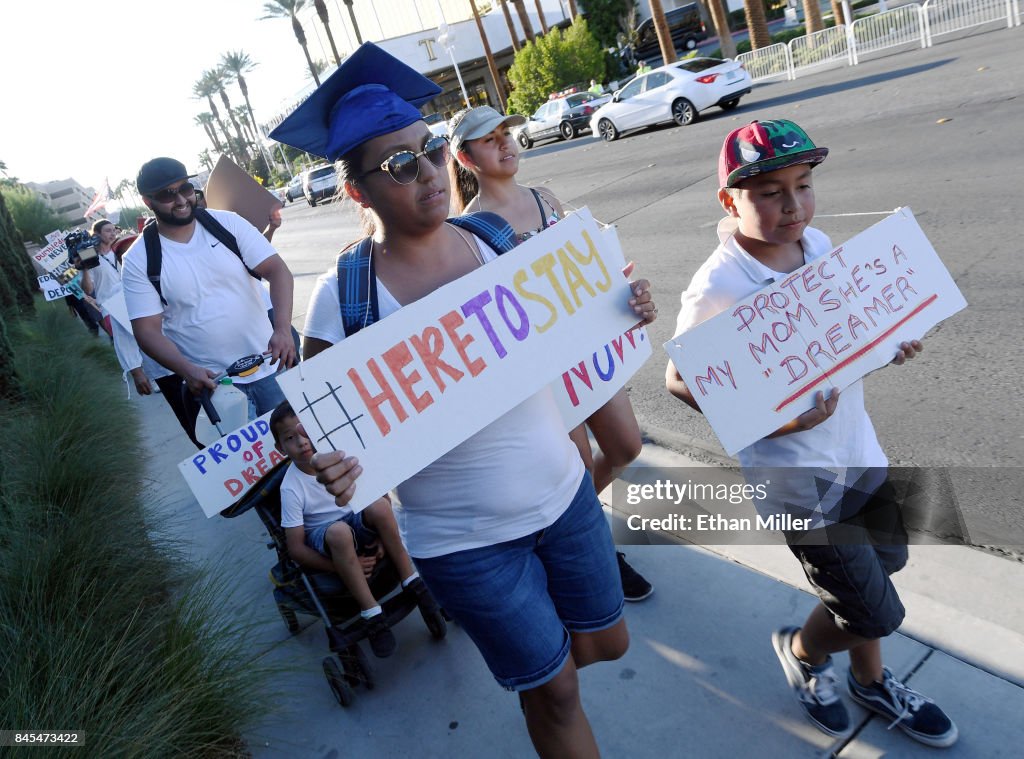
700,678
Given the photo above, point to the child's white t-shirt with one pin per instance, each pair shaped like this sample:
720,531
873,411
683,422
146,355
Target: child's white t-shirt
305,502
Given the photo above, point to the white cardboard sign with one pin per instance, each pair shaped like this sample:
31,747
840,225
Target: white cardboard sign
759,364
226,470
408,389
116,307
52,290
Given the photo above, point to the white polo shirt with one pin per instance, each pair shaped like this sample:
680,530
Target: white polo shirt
843,449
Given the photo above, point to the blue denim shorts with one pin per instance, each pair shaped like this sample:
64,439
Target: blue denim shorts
519,600
361,534
264,395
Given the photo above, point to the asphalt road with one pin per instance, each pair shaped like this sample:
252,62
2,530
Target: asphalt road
931,129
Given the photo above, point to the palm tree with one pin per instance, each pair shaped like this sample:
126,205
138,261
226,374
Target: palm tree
355,25
319,66
206,160
837,12
757,23
243,119
540,16
321,11
524,19
668,47
511,27
720,17
288,9
221,78
812,16
205,120
238,63
204,87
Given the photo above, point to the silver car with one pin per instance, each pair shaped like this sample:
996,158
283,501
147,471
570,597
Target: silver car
319,183
677,92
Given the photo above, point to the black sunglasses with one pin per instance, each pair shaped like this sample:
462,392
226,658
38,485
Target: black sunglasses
168,194
404,166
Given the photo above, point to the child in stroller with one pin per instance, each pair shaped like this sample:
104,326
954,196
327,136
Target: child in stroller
308,580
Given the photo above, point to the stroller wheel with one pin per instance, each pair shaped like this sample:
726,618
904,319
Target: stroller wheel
349,665
290,620
339,687
436,624
363,665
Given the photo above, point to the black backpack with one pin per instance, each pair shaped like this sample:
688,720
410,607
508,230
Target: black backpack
154,254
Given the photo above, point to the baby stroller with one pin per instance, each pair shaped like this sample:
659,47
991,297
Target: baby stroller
323,594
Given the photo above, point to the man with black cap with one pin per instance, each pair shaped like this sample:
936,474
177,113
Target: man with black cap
195,303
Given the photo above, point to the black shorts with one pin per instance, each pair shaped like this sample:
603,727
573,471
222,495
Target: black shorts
850,569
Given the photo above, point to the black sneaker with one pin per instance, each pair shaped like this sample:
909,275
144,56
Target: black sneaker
382,640
424,600
634,586
815,687
911,712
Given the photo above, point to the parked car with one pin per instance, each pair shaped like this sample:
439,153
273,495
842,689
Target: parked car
294,189
436,124
677,92
562,118
684,23
319,183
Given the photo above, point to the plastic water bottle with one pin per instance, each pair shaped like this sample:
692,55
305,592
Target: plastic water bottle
232,406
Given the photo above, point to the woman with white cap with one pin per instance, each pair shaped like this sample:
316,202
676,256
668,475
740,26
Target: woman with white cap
525,565
484,179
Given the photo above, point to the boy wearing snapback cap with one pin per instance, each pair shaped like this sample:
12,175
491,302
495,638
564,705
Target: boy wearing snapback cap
767,193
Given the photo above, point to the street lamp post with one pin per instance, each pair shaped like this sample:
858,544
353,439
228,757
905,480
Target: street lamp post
446,39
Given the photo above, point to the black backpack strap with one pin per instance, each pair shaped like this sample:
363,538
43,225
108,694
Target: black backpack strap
154,257
540,207
357,287
215,228
490,228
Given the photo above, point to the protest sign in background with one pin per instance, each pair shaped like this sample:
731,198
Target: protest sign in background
230,188
759,364
52,289
408,389
227,469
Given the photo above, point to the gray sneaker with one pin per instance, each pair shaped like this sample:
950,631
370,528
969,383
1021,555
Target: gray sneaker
814,687
911,712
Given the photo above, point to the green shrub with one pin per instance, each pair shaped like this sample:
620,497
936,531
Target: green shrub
101,629
552,63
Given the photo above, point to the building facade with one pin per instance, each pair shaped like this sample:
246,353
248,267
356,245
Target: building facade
68,199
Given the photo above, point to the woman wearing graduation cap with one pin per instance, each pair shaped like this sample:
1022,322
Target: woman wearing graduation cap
525,564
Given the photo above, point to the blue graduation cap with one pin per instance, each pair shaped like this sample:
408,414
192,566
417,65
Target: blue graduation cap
370,94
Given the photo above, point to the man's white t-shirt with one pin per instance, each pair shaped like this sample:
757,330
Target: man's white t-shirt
844,447
515,476
305,502
215,311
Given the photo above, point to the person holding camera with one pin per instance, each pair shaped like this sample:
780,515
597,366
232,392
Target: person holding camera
102,282
192,290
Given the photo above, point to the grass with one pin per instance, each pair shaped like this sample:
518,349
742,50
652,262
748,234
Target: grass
101,628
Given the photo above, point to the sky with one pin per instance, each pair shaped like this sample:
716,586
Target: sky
92,90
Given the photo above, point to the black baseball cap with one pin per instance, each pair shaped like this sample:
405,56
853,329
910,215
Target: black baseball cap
159,173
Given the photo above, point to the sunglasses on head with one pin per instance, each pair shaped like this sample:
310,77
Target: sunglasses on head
404,166
168,194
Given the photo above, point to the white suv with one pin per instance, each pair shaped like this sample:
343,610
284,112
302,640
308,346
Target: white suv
319,183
